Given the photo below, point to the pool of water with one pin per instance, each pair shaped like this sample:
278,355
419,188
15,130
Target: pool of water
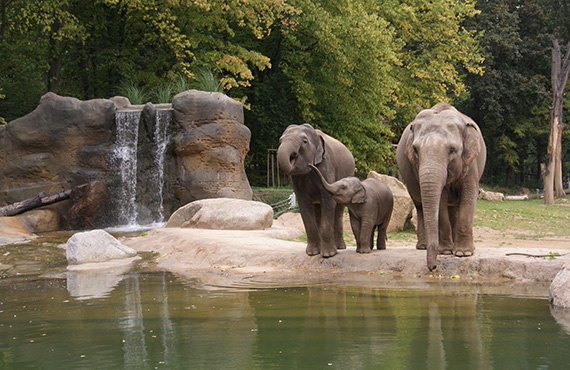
148,320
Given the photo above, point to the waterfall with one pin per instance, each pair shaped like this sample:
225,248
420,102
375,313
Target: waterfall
134,203
126,154
162,121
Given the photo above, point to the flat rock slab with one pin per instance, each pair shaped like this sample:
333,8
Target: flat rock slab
260,251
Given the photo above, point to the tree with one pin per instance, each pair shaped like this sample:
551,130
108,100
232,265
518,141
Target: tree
510,100
553,180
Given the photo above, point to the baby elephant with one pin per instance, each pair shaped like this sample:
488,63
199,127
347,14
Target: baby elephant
369,204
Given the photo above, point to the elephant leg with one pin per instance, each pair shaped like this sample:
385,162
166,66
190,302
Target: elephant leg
309,217
463,230
326,228
366,236
445,232
338,232
382,231
420,229
355,225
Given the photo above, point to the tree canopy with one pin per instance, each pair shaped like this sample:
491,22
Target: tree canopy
359,70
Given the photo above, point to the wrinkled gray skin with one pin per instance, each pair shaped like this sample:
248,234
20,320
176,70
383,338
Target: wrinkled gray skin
300,146
369,203
441,156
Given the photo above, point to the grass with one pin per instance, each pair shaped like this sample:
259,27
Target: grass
530,218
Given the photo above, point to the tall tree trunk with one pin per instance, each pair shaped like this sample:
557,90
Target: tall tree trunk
553,174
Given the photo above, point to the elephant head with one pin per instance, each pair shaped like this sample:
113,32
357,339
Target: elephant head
299,147
440,145
344,191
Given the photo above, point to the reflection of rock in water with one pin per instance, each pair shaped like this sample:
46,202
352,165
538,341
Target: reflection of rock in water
562,317
94,283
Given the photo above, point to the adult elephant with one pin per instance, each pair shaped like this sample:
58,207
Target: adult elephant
441,156
300,146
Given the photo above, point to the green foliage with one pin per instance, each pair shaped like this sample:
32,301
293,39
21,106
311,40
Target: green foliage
356,69
206,80
135,93
510,102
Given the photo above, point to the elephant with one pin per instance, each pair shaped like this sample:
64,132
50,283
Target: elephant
441,157
300,146
369,203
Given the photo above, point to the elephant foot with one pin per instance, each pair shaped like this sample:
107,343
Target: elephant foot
328,253
312,250
421,246
463,253
446,252
380,247
363,250
341,245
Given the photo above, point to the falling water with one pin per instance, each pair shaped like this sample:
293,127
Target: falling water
126,154
160,142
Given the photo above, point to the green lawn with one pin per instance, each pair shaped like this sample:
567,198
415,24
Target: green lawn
525,217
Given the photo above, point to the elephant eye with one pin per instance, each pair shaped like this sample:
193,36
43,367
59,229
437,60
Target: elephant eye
452,150
305,141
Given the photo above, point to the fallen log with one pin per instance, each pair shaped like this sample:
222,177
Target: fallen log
40,200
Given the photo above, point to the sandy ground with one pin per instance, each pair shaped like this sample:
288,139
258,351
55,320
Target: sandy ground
265,253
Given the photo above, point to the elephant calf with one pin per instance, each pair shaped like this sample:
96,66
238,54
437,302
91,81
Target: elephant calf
369,203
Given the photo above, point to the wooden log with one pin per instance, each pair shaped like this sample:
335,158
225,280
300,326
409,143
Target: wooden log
40,200
516,197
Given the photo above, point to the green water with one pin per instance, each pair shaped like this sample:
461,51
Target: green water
156,320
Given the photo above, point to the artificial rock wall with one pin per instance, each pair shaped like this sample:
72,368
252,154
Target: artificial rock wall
66,142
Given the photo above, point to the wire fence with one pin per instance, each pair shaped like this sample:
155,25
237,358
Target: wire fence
282,206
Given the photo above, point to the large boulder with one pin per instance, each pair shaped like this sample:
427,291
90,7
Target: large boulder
403,205
95,246
223,214
560,288
210,146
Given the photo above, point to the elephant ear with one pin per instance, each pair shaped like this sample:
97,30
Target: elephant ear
409,149
359,196
471,143
320,152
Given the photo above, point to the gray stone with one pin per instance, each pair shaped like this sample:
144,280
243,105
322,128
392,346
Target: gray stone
210,146
95,246
403,205
560,288
223,214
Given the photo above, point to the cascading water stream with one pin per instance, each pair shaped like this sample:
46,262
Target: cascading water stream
160,142
126,154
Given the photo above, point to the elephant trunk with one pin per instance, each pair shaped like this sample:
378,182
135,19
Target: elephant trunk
286,156
432,181
328,187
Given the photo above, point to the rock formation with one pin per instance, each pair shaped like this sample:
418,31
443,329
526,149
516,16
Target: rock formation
210,144
95,246
223,214
66,142
560,288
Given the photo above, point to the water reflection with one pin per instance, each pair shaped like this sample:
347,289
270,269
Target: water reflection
155,320
90,284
